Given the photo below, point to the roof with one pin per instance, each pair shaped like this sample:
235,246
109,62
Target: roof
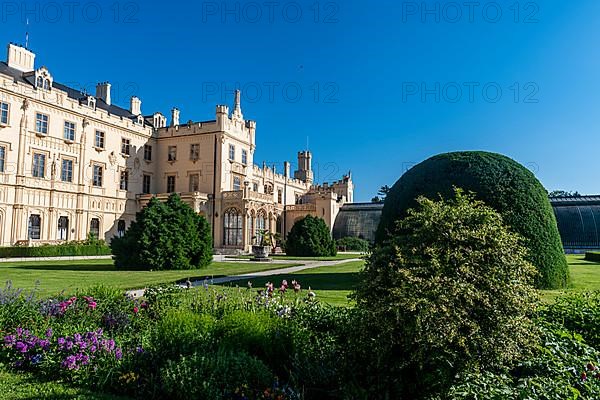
74,94
575,200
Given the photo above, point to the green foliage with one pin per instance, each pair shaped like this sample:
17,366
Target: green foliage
181,332
443,292
577,312
310,237
351,243
502,184
562,367
165,236
593,256
27,386
98,248
215,375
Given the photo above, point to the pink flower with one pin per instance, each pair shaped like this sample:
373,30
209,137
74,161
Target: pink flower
92,305
136,310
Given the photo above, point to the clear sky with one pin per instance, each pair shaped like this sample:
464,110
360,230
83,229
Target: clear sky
376,86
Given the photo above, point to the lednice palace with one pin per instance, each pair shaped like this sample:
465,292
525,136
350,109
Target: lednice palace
73,164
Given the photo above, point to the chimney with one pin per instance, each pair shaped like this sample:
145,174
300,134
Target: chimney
175,116
135,106
20,58
103,92
286,168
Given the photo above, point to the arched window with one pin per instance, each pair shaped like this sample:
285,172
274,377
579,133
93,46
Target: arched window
39,82
63,228
35,225
95,228
47,84
279,225
232,227
259,226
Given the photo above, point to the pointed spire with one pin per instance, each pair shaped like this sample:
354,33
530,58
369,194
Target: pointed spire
237,106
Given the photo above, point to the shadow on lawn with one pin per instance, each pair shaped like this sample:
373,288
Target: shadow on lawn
66,267
339,281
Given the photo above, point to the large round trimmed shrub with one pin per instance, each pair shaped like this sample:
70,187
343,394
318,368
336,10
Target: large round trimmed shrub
310,237
501,183
165,236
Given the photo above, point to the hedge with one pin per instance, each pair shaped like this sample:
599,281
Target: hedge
55,250
501,183
592,256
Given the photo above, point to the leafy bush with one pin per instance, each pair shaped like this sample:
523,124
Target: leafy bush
351,243
503,184
59,250
562,367
310,237
577,312
165,236
216,375
181,332
442,294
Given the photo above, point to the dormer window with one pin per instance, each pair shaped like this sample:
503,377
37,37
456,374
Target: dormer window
91,102
43,79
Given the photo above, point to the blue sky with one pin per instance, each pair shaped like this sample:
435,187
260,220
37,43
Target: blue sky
376,86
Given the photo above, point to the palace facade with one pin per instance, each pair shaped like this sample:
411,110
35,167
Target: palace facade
74,164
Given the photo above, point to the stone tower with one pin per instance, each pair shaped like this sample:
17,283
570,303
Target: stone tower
304,172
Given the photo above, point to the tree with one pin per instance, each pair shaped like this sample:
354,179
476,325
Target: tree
563,193
450,291
503,184
310,237
165,236
383,191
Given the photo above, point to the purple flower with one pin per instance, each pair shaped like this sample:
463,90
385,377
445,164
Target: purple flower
21,347
70,362
49,332
61,341
9,340
118,353
19,332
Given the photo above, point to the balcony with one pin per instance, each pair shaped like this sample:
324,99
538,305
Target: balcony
250,195
301,207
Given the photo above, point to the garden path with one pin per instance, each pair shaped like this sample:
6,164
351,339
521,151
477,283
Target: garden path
252,275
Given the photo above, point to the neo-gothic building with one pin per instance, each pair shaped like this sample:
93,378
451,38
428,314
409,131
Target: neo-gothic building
72,164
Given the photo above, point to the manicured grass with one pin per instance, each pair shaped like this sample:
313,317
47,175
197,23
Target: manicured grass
332,284
56,276
339,256
25,386
585,276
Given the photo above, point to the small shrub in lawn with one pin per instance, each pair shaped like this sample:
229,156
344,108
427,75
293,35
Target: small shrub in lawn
593,256
352,243
310,237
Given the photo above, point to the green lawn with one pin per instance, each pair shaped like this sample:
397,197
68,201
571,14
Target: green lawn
339,256
332,284
585,276
56,276
25,386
